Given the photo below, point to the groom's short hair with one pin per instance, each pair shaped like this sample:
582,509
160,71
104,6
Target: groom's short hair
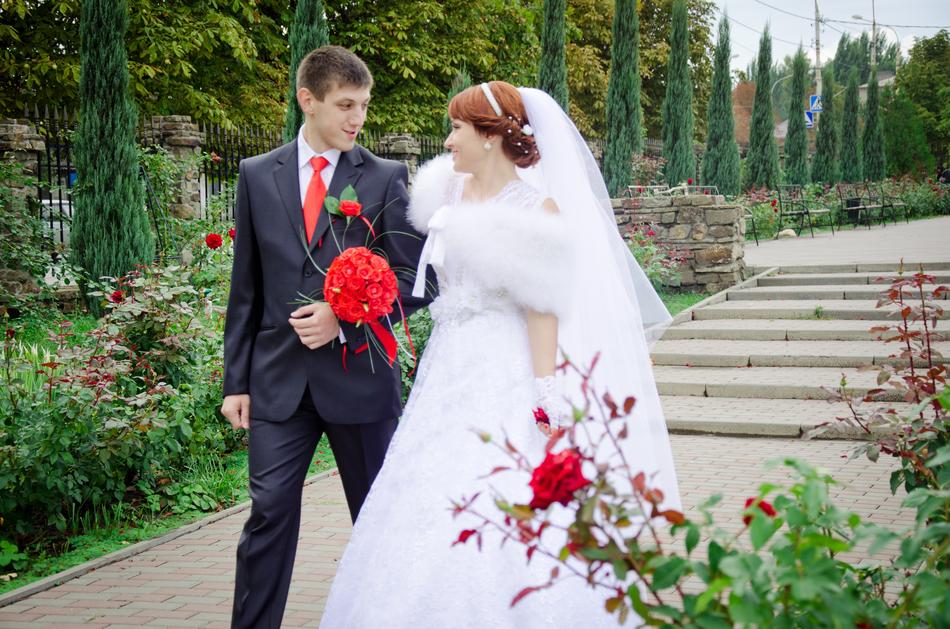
328,66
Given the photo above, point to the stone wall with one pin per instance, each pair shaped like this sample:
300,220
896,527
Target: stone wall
710,233
182,139
19,143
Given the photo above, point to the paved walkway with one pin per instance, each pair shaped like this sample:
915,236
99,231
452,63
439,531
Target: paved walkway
919,241
753,364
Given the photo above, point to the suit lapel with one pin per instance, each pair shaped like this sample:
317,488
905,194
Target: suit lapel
347,173
287,178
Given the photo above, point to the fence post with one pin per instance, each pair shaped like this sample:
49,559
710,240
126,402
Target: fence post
183,140
401,147
21,144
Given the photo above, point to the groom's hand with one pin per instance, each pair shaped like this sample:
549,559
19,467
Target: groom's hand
315,324
237,410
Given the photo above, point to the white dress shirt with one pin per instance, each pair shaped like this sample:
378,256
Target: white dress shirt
305,171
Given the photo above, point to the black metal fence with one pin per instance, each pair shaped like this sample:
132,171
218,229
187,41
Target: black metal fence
222,149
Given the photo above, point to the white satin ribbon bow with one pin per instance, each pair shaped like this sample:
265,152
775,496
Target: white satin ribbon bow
433,251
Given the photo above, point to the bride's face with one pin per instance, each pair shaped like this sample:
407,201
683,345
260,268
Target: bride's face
467,146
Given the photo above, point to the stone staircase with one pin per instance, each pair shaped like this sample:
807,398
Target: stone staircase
758,359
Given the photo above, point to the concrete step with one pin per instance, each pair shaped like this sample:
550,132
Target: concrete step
760,417
887,267
772,383
776,330
797,309
818,279
726,353
846,292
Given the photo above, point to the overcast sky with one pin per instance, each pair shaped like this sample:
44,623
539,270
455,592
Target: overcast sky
748,18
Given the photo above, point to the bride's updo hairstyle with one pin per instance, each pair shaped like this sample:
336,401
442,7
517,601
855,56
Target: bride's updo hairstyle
517,140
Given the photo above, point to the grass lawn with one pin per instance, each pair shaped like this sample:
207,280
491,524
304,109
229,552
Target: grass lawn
677,302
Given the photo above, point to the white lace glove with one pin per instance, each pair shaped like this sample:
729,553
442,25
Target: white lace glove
549,406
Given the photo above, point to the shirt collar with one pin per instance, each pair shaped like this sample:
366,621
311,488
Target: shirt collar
305,152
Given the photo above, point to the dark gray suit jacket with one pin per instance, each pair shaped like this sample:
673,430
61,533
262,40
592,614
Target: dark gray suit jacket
263,356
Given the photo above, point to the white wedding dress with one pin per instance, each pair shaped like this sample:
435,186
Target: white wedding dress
400,569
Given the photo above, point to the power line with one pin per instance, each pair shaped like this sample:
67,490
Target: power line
828,19
770,35
802,17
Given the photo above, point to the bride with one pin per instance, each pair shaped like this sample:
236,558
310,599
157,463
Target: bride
529,260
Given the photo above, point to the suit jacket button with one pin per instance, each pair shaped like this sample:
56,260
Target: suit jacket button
308,273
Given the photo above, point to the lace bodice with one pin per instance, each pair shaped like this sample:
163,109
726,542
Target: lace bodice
461,295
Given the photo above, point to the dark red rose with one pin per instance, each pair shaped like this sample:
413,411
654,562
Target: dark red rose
10,333
689,181
231,233
213,240
651,233
774,202
556,479
350,208
117,297
541,417
764,507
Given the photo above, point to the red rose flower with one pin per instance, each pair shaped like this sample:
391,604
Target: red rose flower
689,181
774,202
541,416
651,233
117,297
10,333
764,507
231,233
556,479
350,208
360,286
213,240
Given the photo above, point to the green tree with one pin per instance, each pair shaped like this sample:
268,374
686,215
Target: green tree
854,54
307,32
623,98
110,231
678,104
905,141
850,153
926,82
873,140
552,77
761,164
721,159
824,167
796,142
460,83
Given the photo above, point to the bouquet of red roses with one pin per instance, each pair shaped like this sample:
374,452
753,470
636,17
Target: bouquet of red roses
360,287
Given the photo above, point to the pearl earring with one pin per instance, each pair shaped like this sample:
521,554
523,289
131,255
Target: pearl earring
487,146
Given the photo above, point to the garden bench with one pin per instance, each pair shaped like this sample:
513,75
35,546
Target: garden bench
794,206
856,205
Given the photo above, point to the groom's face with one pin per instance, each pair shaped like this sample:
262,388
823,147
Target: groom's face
336,120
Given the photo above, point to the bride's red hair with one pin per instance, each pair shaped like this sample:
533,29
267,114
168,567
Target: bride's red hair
472,106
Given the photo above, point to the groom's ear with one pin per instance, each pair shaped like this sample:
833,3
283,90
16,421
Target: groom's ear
306,99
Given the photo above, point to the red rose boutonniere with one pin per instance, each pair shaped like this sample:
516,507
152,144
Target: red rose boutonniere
348,206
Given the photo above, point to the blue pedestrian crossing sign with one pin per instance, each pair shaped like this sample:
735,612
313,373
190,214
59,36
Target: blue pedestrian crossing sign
809,119
814,103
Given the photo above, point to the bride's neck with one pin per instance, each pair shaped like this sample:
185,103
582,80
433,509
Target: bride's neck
488,180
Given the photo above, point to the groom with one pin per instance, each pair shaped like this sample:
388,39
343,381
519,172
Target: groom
293,373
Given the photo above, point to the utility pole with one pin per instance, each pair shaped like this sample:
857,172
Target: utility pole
873,36
817,48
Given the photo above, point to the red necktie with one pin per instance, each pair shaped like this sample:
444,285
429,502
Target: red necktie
316,193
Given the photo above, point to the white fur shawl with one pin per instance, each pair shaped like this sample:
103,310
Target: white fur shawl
525,251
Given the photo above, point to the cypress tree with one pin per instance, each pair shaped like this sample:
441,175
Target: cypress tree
461,82
796,142
110,232
850,154
308,31
873,140
721,160
552,77
762,169
623,98
824,168
906,147
678,103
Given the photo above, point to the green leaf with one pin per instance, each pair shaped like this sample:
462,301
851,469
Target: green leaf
941,457
762,529
349,194
692,538
704,599
669,572
715,553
